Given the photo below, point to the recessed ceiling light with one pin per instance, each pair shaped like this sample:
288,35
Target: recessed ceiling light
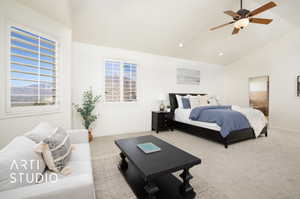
221,53
180,45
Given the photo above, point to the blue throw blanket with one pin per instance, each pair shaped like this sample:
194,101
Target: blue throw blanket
224,116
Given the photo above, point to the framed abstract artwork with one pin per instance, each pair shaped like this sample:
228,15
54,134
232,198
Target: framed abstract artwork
188,76
298,86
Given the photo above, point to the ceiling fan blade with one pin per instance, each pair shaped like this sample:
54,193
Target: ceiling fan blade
232,14
263,8
260,20
220,26
235,31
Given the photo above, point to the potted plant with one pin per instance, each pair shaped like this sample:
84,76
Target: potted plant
86,110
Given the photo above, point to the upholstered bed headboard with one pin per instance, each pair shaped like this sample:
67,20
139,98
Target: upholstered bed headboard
173,100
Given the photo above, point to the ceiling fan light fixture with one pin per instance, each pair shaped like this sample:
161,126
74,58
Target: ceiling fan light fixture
243,17
242,23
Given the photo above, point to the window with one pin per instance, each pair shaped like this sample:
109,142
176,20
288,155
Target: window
129,82
32,69
120,81
112,81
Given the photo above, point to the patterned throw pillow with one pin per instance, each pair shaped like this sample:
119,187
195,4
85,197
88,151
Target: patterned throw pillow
213,101
56,150
204,100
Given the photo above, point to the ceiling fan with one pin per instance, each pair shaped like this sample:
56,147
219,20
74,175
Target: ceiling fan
243,17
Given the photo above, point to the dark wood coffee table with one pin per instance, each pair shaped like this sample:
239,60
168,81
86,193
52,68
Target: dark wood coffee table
150,175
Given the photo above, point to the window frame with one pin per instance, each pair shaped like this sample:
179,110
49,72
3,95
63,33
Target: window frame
11,111
123,89
122,61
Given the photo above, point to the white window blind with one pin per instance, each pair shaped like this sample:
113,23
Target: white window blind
129,82
120,81
32,69
112,81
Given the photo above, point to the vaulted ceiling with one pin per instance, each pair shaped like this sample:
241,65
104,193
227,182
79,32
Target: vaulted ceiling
158,26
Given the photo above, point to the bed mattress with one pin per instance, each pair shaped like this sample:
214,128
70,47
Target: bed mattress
182,115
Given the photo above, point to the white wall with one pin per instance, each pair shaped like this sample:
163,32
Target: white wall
156,76
10,11
281,61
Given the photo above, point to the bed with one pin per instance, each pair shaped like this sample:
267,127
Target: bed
180,120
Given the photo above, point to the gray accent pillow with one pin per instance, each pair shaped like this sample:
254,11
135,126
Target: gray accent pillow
57,150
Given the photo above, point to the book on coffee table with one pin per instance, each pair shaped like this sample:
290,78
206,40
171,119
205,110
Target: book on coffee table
148,147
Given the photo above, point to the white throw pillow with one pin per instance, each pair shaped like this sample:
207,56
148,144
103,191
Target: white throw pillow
19,164
40,132
56,150
179,101
194,101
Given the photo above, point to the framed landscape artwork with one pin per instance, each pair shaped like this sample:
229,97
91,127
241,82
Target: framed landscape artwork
298,86
188,76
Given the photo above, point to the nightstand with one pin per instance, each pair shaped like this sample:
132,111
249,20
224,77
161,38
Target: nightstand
161,121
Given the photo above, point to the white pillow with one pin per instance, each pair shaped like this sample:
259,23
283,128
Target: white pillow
179,101
18,161
40,132
194,101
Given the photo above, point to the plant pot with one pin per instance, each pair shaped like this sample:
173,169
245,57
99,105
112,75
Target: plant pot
90,136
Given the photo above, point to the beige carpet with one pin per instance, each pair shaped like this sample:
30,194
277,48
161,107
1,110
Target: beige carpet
265,168
110,184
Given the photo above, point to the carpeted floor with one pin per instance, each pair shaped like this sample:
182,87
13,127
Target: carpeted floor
265,168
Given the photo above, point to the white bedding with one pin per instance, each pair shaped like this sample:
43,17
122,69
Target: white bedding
182,115
255,117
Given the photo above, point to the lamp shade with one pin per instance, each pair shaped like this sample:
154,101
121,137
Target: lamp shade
161,97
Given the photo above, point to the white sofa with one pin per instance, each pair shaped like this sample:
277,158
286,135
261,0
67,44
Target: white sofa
77,185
